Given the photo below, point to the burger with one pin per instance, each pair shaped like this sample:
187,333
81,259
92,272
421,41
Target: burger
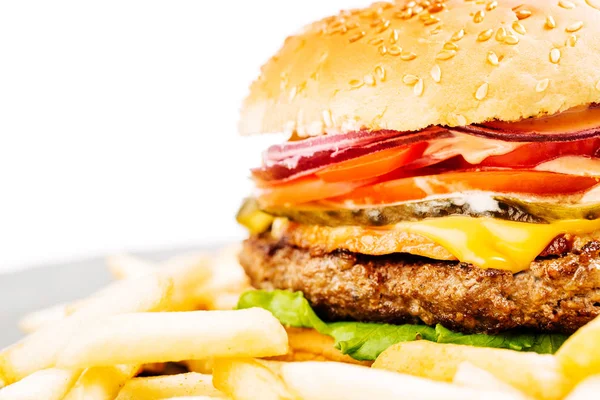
440,180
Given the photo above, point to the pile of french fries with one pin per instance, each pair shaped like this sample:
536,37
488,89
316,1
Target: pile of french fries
170,331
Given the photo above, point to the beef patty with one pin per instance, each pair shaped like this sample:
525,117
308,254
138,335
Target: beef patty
557,294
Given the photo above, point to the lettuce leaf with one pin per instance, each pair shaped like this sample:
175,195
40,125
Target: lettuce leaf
365,341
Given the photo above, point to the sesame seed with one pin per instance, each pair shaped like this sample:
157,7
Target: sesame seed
383,27
598,85
519,28
555,55
327,118
424,15
445,54
355,83
437,7
394,36
450,46
436,30
478,17
436,73
410,79
351,25
501,34
376,41
356,36
407,56
542,85
550,22
593,4
457,119
482,91
431,21
574,27
458,35
566,4
511,39
571,41
418,89
493,58
369,80
485,35
382,50
491,5
522,14
380,72
375,22
394,50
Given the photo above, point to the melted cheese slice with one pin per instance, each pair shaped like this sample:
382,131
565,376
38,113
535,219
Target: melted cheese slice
494,243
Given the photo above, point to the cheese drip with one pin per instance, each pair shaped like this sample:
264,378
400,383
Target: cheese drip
494,243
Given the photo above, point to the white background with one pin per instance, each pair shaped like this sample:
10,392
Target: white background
118,121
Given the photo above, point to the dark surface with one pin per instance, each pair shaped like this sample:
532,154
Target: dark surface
41,287
557,294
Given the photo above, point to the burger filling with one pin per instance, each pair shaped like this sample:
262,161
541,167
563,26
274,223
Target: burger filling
484,229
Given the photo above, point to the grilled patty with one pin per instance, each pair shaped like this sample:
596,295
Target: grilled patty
557,294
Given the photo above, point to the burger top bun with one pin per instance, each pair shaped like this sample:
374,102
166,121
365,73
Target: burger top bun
411,64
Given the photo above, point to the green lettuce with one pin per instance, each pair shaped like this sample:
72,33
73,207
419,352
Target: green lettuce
365,341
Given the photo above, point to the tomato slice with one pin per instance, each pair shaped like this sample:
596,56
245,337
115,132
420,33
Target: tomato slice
499,181
372,165
307,189
533,154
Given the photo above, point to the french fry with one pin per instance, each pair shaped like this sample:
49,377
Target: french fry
40,349
201,366
160,387
227,283
471,376
249,379
126,266
101,383
130,295
189,273
537,375
33,321
310,345
333,380
157,337
579,356
587,389
48,384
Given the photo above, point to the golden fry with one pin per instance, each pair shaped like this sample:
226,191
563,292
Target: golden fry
579,356
471,376
537,375
157,337
35,320
248,379
101,383
160,387
586,390
48,384
40,349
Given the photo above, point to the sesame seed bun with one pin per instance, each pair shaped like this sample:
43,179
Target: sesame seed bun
407,66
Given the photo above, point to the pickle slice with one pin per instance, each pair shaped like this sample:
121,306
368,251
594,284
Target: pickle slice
255,220
472,205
